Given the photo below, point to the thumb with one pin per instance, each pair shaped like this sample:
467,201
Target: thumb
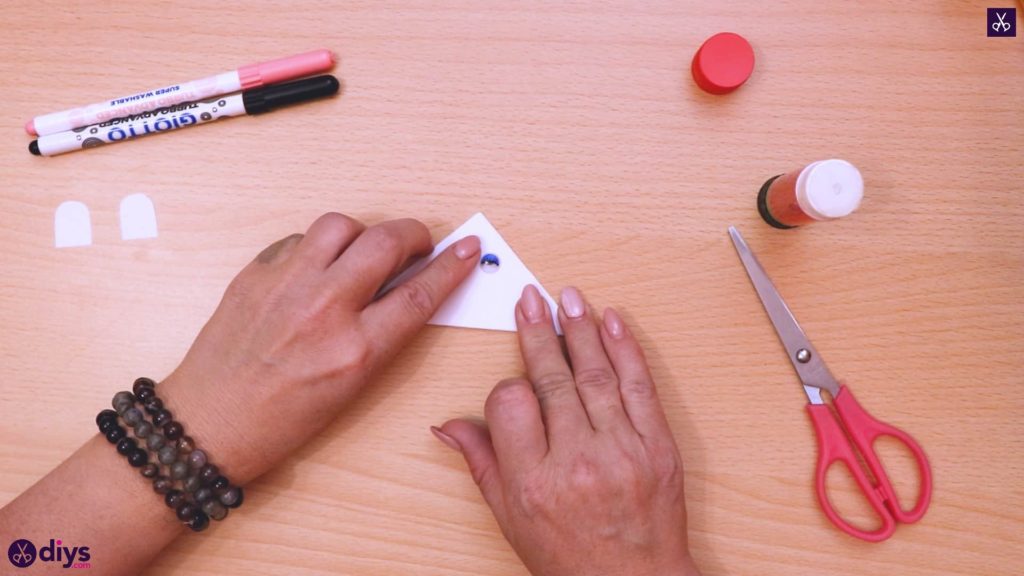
473,440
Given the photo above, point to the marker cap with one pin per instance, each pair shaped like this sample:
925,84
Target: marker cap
273,71
723,63
270,97
829,189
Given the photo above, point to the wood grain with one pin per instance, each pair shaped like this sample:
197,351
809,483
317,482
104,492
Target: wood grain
576,128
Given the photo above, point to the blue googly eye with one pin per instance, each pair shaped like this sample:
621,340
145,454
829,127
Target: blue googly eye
489,263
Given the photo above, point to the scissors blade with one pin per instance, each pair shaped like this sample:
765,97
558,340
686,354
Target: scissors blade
811,369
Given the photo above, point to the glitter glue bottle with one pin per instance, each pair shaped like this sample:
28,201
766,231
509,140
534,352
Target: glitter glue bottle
823,190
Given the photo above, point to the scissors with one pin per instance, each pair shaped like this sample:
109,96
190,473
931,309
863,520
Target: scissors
22,557
1001,24
848,437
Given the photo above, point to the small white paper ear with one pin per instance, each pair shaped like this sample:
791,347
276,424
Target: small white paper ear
487,299
71,225
138,217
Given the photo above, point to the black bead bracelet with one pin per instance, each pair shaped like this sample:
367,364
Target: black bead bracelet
192,486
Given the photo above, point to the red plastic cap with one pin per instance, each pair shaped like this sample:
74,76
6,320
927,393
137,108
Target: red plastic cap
723,63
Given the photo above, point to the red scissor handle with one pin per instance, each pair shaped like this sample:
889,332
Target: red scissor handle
863,430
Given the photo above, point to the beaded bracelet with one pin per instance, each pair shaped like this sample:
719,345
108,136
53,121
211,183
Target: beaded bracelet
203,492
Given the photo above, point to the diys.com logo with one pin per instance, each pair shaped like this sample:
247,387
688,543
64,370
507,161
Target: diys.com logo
23,553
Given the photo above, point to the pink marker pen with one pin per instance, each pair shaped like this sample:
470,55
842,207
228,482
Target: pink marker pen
255,101
245,78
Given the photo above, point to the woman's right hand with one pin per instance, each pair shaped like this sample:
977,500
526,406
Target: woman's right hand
577,461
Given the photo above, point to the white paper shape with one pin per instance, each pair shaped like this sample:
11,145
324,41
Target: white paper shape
487,299
71,225
138,217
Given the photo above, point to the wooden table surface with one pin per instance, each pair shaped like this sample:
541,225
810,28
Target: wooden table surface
575,126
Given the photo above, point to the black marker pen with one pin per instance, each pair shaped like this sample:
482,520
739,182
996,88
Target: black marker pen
186,114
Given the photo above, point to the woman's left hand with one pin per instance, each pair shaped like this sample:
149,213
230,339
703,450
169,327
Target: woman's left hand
299,333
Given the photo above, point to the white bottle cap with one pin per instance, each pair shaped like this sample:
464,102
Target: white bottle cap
829,189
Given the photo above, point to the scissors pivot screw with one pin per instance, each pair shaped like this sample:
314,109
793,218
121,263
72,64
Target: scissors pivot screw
803,355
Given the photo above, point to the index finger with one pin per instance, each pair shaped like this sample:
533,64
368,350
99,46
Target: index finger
564,417
517,428
376,254
396,317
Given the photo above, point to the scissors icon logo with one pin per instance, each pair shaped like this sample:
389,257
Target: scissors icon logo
1002,24
21,553
1001,21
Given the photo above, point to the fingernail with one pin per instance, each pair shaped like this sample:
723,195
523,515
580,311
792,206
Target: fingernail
572,302
467,247
532,304
613,323
448,440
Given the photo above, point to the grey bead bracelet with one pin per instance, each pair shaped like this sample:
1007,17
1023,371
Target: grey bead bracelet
191,485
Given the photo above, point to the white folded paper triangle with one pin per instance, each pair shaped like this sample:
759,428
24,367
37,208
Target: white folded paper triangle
486,299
